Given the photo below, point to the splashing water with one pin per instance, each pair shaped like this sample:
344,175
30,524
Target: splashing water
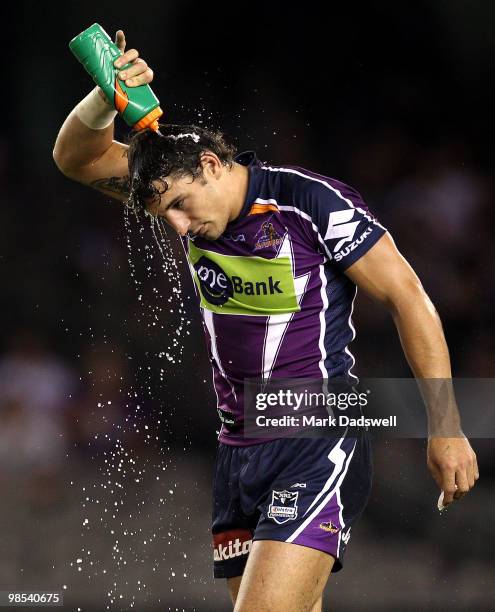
175,348
120,506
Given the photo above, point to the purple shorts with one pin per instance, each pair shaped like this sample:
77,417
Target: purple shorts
301,490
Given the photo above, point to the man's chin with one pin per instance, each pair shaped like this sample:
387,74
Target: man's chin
213,234
211,237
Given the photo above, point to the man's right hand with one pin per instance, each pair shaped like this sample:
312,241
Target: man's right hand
453,465
139,73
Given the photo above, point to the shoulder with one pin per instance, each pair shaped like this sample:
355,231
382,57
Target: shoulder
310,190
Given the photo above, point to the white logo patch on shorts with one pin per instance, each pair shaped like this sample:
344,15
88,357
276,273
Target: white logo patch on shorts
283,507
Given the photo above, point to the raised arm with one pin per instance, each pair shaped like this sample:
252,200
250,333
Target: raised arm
385,275
85,150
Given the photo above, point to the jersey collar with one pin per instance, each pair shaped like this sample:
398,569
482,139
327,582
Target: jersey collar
247,158
251,161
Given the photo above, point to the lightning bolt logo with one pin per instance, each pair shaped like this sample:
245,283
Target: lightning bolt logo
121,99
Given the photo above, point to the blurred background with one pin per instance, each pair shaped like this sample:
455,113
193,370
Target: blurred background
107,424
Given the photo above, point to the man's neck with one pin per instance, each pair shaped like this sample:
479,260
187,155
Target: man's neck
240,183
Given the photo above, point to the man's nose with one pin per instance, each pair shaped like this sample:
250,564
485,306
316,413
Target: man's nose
179,222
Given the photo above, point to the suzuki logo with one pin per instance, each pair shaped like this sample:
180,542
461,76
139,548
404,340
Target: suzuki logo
339,227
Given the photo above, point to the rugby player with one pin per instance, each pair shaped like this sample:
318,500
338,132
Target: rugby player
277,254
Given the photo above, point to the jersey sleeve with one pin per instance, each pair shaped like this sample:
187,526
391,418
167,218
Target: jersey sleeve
346,228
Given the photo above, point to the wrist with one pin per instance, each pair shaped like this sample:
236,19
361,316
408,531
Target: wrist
102,95
95,111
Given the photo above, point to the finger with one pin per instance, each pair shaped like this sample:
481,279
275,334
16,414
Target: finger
470,475
135,69
120,40
126,58
448,487
475,468
462,483
140,79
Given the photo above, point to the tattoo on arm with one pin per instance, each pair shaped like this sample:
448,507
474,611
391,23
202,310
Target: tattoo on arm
115,184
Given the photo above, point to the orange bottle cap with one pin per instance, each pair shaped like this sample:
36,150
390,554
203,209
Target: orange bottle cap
150,120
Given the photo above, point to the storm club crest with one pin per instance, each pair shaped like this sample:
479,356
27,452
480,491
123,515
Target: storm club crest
267,236
329,526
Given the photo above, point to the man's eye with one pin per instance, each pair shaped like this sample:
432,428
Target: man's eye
179,205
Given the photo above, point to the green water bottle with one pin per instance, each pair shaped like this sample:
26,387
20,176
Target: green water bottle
138,106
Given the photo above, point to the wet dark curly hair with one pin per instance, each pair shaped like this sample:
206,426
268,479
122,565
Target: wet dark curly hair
174,151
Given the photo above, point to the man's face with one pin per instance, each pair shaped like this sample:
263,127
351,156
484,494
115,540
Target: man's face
200,206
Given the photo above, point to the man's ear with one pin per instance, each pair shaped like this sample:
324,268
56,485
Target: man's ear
210,165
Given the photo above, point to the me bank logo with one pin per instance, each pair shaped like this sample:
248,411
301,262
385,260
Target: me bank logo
243,285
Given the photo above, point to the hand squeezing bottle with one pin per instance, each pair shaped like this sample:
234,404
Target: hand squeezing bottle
138,106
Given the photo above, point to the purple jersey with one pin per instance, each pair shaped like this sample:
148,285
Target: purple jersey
273,296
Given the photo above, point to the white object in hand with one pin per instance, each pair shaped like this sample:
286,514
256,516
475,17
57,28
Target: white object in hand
440,504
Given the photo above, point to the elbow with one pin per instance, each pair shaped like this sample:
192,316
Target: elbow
58,162
62,163
411,296
58,158
409,293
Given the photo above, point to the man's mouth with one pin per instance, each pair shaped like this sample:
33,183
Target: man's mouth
200,231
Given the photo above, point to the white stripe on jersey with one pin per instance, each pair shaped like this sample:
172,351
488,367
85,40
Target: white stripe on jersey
269,201
210,326
322,182
277,325
324,298
349,321
323,321
308,218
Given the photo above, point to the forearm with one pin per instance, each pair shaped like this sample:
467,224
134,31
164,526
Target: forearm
423,341
77,143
